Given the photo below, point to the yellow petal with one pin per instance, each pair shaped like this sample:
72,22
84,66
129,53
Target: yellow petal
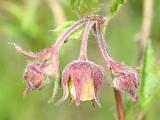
87,92
72,89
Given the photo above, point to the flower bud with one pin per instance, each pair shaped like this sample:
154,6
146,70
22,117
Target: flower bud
127,84
126,79
42,70
34,76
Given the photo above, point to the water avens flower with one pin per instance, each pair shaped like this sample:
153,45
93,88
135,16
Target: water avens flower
126,79
82,79
127,84
41,69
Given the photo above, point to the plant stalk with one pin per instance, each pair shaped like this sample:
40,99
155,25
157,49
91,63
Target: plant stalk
146,28
145,34
83,51
64,36
108,59
102,43
120,111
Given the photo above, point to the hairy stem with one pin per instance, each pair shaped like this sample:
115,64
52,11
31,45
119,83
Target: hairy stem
83,51
64,36
146,27
102,43
120,112
108,59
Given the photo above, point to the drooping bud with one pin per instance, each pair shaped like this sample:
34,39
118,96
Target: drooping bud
42,68
126,79
34,76
126,84
83,80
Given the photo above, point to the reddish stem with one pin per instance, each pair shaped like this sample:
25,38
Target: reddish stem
120,111
102,43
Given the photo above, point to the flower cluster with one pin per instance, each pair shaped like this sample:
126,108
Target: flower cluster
81,78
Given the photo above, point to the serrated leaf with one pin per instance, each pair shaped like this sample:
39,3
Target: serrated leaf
116,6
85,7
150,79
65,26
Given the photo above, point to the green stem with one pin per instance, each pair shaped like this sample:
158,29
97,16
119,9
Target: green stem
146,28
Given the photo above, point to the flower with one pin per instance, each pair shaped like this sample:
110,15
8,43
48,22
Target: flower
34,77
83,80
41,69
126,79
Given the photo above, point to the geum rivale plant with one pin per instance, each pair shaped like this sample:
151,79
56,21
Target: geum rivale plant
81,78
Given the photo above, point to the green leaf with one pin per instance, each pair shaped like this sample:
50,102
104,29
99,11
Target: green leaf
85,7
116,6
150,79
62,28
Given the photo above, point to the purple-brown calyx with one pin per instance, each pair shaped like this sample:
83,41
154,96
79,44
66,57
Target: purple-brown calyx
41,69
126,79
83,80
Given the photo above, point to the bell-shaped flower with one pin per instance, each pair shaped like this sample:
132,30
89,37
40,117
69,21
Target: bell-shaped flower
41,69
82,79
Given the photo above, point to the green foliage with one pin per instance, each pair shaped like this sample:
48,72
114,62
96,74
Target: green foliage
116,6
85,7
23,22
26,16
62,28
150,79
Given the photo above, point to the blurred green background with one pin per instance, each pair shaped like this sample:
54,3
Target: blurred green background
30,23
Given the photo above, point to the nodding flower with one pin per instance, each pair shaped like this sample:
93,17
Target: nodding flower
82,79
41,69
126,79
